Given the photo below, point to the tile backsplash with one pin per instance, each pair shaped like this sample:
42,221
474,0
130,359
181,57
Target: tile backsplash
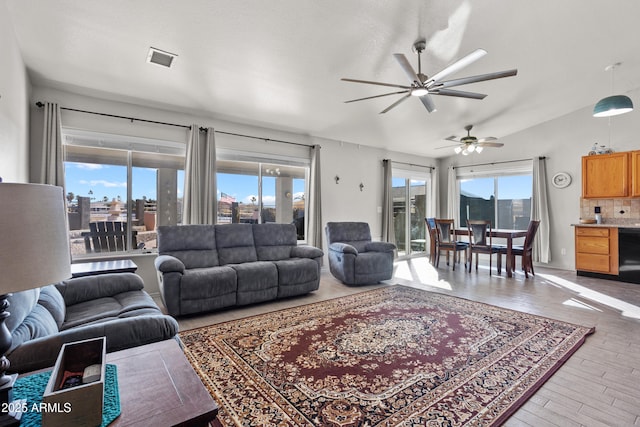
613,211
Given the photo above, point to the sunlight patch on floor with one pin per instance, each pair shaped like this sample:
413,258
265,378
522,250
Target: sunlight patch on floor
628,310
572,302
421,271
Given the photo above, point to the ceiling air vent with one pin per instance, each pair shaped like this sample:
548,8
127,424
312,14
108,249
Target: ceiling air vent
160,57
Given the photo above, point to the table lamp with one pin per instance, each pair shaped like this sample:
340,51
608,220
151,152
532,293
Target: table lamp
34,252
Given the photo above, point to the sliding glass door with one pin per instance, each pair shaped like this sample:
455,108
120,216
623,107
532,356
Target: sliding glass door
410,191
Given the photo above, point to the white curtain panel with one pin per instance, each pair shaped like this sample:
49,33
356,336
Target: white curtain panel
388,231
199,201
52,158
453,197
433,207
540,211
314,224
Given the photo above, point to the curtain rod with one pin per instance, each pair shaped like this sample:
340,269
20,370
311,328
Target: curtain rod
411,164
496,163
40,105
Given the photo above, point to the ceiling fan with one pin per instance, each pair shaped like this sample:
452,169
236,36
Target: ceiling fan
468,144
423,87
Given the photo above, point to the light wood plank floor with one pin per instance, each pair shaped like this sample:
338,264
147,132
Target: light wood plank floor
598,386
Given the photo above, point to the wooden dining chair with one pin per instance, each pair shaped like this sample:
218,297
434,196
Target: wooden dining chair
526,250
480,242
433,238
447,241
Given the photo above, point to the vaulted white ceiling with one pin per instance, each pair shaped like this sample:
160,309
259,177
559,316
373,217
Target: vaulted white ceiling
278,63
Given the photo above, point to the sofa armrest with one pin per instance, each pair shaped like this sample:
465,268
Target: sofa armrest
169,264
344,248
380,247
304,251
87,288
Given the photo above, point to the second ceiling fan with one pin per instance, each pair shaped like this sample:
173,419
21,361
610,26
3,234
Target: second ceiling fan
423,86
469,143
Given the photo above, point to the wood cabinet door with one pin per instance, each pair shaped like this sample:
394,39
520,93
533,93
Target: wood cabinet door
635,174
605,175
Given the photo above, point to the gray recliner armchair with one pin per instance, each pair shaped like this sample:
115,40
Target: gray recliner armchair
353,258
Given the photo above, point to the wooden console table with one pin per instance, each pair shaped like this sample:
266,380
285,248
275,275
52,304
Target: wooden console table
103,267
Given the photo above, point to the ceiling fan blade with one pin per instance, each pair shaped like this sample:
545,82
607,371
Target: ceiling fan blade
474,79
375,96
488,139
428,103
376,83
452,138
490,144
447,146
459,65
406,67
459,93
395,104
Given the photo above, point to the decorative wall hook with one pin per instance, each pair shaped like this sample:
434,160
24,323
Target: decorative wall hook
361,186
337,178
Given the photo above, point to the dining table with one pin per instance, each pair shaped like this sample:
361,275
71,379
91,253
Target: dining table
503,233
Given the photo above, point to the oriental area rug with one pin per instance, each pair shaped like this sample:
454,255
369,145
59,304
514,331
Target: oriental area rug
394,356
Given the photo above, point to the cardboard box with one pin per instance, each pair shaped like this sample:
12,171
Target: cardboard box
75,403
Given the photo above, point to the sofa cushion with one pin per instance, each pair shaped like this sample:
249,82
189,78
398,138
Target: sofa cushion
194,245
257,282
274,241
39,323
207,282
51,299
125,304
235,243
296,270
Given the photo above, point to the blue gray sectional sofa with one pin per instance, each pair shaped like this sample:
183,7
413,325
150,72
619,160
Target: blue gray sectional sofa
208,267
114,306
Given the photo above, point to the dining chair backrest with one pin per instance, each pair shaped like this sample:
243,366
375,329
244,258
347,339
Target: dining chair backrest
431,227
444,229
478,232
531,234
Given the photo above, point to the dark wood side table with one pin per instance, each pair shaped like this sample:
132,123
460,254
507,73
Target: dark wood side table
103,267
158,387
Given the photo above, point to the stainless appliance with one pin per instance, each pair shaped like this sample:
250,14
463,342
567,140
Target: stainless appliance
629,254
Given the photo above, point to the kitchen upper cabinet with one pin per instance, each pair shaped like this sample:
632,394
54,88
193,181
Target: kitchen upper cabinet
635,173
607,175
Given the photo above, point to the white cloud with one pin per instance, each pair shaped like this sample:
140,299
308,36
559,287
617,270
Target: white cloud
88,166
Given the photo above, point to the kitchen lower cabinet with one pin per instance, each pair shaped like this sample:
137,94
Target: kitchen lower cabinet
597,249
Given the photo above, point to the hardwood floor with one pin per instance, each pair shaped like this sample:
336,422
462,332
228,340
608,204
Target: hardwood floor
598,386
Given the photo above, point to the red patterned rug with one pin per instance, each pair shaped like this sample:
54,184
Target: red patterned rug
394,356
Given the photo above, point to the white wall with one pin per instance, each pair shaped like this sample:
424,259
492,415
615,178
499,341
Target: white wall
563,141
14,90
340,202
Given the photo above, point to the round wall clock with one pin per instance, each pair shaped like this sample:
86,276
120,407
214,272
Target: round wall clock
561,180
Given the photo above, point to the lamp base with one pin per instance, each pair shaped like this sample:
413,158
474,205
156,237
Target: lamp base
11,410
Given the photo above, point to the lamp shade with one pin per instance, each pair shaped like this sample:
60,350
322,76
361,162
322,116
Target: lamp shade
34,248
612,106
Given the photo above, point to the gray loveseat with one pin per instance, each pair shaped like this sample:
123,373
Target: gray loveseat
207,267
111,305
353,258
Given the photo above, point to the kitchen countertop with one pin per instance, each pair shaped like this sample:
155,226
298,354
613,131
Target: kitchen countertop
608,225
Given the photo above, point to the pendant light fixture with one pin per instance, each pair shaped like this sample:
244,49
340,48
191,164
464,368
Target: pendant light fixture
614,104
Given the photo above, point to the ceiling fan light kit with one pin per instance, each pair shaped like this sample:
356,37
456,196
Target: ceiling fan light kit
615,104
422,86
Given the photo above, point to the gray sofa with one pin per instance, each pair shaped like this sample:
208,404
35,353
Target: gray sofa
111,305
207,267
353,258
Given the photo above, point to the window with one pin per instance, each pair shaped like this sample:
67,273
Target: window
130,181
502,196
259,191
